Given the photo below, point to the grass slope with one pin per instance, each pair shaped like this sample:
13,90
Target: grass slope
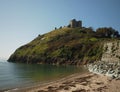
61,46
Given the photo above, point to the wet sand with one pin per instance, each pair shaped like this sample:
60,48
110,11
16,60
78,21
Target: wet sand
87,82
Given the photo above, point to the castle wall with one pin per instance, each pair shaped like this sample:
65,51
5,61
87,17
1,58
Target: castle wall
74,23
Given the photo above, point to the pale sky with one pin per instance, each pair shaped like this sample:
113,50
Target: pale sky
22,20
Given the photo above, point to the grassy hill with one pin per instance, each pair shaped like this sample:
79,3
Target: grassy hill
62,46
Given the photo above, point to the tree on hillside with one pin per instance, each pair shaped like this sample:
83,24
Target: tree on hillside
55,28
60,27
89,30
107,32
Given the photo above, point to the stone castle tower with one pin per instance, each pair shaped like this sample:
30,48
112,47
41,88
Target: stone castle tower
74,23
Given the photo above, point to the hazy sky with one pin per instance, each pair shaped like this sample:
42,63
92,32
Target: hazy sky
22,20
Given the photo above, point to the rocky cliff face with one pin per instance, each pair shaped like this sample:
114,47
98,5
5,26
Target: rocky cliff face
109,64
111,51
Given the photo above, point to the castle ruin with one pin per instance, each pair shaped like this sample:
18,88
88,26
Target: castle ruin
74,23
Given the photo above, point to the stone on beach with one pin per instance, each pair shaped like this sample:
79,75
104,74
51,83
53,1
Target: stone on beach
109,69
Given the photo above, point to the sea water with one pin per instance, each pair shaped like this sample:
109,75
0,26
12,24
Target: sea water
15,75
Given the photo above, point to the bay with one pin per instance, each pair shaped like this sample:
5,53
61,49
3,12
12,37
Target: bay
15,75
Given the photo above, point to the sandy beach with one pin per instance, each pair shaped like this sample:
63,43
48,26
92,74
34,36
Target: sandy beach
87,82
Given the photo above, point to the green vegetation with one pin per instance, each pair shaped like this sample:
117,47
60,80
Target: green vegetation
65,46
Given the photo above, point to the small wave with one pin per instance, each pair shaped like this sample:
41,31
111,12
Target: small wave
12,90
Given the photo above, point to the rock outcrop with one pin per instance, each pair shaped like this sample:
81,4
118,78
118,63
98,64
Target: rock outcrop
105,68
110,61
111,51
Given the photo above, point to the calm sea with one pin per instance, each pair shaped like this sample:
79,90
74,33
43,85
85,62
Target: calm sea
13,75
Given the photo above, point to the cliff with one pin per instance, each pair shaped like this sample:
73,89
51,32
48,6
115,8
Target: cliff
72,46
110,61
111,51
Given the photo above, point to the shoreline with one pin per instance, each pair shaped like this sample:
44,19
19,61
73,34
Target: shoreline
39,85
87,82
